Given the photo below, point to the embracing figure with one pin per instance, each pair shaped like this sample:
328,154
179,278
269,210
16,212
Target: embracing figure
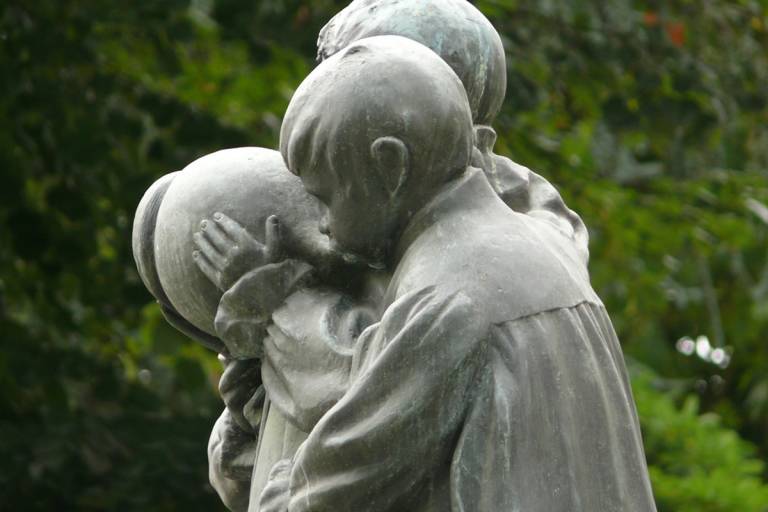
405,318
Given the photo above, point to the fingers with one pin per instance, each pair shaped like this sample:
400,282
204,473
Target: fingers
216,236
224,245
205,265
211,253
273,231
241,378
485,138
232,228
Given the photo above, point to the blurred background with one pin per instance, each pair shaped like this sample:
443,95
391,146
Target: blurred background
650,117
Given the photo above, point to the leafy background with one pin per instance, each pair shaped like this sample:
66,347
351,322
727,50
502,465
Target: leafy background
651,118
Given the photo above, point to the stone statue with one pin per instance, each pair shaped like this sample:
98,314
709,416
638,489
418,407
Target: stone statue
405,318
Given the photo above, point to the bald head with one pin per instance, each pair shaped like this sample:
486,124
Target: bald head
382,123
454,29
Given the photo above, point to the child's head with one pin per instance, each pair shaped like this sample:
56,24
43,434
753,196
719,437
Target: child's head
454,29
246,184
373,132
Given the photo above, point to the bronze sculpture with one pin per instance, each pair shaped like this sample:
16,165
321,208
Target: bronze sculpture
442,348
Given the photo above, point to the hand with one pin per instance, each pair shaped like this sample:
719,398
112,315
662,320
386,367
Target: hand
226,251
240,388
231,455
276,494
246,308
482,153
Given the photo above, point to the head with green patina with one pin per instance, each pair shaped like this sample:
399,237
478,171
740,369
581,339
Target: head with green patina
454,29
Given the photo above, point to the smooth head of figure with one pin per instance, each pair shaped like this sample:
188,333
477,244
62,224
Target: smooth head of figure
246,184
373,132
454,29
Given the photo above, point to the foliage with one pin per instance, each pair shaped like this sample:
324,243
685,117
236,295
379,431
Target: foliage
649,116
696,463
96,413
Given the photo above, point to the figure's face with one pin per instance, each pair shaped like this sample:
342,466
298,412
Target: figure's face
356,217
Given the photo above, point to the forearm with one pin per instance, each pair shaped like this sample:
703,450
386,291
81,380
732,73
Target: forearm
391,432
245,309
308,353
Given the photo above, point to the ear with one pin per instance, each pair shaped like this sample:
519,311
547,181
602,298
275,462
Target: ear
390,160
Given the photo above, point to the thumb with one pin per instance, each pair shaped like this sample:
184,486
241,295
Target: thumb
274,242
485,138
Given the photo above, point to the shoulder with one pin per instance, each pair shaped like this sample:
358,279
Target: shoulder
440,308
505,267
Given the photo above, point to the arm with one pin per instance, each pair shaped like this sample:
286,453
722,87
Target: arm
394,428
254,283
253,277
309,351
309,342
231,455
233,441
245,309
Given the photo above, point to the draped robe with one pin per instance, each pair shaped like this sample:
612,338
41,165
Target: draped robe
492,379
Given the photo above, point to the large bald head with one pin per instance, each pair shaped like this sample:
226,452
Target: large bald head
454,29
246,184
374,131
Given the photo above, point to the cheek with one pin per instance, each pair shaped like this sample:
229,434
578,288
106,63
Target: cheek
355,217
351,224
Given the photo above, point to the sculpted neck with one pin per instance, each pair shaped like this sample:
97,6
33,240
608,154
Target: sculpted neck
469,191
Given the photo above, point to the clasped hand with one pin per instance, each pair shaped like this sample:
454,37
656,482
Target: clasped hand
254,283
226,251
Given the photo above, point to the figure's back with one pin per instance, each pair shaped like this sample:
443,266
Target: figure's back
552,425
514,264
